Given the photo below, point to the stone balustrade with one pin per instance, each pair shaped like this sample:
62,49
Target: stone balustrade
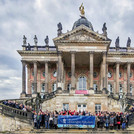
13,112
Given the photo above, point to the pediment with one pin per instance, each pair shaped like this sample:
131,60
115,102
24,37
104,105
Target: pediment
81,34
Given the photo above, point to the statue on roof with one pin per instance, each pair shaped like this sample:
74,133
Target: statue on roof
29,47
59,25
46,40
117,42
128,42
24,40
104,29
81,8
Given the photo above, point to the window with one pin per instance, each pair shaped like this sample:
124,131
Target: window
54,87
43,74
54,74
120,74
65,106
81,107
109,74
120,91
131,74
69,74
82,83
95,87
131,89
69,87
95,74
110,88
43,87
33,73
97,108
32,88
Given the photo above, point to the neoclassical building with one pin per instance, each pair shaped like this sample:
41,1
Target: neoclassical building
82,65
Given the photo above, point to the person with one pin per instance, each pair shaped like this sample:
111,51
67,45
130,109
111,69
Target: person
38,120
111,121
47,121
123,122
115,121
107,121
118,121
35,120
51,121
55,121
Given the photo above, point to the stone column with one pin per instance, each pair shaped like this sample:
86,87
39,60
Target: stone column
23,94
104,71
128,78
91,70
73,70
46,76
117,78
28,79
35,77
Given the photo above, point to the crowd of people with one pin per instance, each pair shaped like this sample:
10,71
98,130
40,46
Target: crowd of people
16,105
108,120
48,120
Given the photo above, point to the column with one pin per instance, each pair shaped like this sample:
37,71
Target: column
117,78
46,76
28,79
128,78
72,70
23,77
35,77
59,67
91,70
104,71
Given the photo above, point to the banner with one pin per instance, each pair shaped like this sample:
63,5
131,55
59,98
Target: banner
75,121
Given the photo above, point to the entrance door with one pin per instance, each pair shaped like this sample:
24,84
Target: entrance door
81,107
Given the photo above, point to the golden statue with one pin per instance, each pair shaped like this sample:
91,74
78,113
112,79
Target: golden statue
81,8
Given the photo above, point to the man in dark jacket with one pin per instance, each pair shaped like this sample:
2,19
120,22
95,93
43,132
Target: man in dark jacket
47,121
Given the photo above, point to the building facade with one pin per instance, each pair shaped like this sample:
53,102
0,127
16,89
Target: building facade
83,65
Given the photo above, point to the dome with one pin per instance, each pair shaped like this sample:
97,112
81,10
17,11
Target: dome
83,21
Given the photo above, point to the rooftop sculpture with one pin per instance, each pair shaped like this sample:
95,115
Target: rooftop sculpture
81,8
128,42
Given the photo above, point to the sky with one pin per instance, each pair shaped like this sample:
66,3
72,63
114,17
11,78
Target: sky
40,17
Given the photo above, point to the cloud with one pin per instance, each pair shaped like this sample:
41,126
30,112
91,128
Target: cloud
40,17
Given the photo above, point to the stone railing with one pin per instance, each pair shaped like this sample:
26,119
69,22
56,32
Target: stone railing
13,112
41,48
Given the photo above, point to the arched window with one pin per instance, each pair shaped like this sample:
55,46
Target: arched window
43,87
131,89
69,87
54,87
95,87
109,74
120,91
32,87
82,83
54,74
43,74
110,88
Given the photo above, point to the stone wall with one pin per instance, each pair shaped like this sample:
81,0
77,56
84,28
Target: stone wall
12,124
107,104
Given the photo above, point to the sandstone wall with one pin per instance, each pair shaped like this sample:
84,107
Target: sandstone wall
12,124
107,104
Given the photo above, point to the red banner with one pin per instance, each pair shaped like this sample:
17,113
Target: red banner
81,91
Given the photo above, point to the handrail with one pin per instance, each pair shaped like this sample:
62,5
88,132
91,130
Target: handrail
14,112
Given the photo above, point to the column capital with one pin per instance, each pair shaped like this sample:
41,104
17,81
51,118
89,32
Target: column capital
35,61
104,53
23,62
129,62
91,52
118,62
72,52
59,52
46,61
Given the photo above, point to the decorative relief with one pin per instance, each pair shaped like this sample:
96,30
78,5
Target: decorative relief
82,37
